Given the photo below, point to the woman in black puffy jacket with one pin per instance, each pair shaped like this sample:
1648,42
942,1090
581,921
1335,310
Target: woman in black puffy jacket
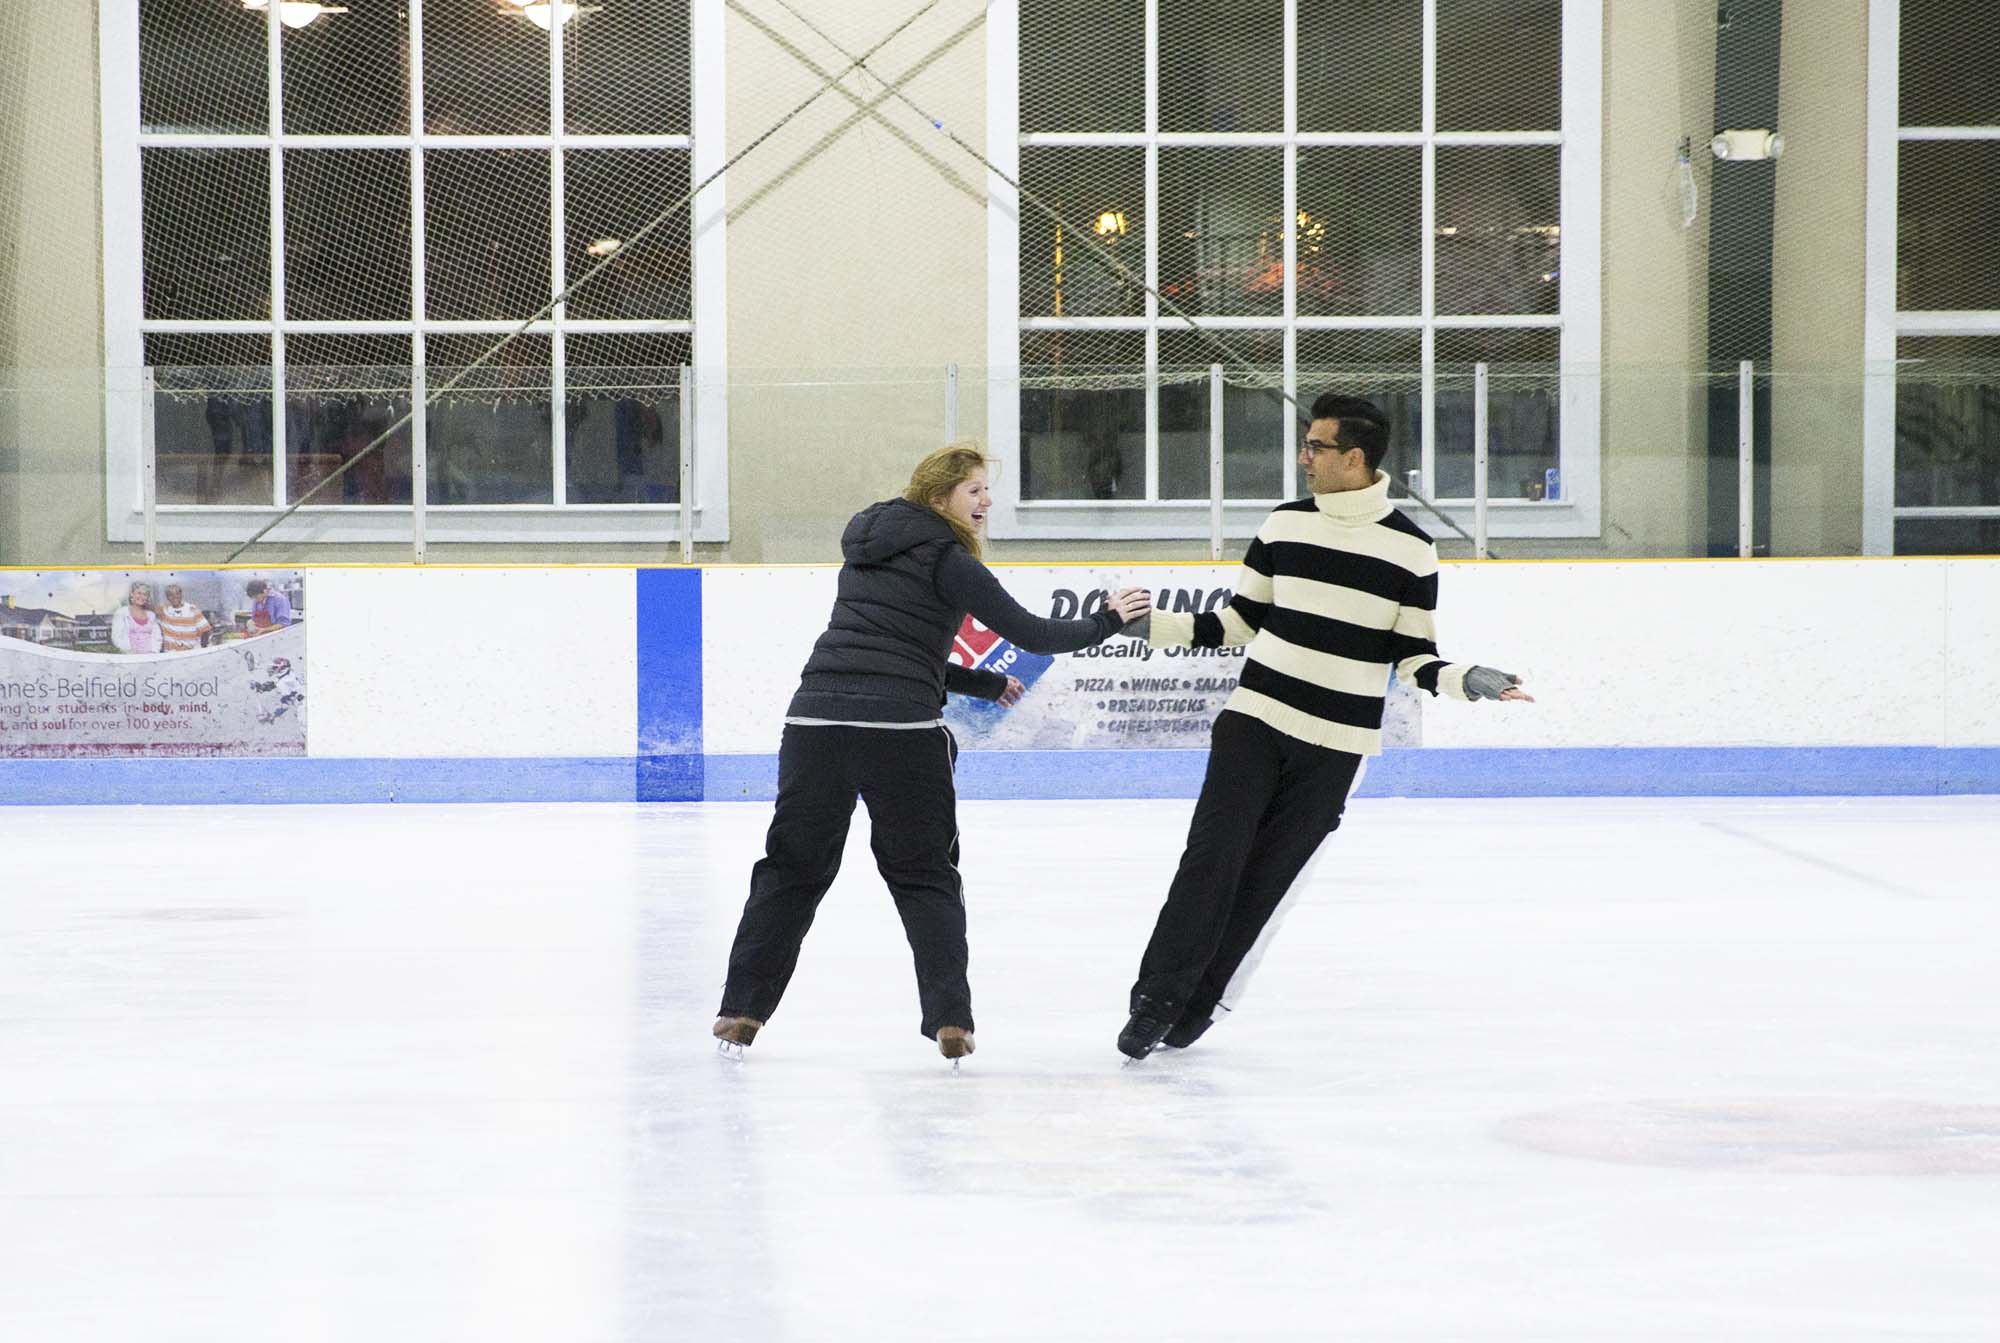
868,720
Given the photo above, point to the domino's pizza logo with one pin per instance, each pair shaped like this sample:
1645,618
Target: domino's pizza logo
981,649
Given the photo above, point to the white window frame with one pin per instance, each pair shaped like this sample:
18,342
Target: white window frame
1884,321
1579,316
128,411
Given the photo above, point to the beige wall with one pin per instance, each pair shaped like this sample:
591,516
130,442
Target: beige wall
1816,405
51,306
1659,85
854,244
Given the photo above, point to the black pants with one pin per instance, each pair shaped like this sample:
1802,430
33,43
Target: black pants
1267,801
905,777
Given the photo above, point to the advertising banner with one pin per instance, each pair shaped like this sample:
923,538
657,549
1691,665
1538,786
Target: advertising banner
1120,693
193,662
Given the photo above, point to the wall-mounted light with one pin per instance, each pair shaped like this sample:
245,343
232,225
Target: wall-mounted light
1111,224
295,13
1736,145
604,247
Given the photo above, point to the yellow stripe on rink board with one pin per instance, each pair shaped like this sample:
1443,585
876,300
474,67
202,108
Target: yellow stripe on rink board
106,566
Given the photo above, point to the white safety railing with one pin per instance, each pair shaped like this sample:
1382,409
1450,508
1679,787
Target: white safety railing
149,467
687,464
1746,464
1215,461
1479,460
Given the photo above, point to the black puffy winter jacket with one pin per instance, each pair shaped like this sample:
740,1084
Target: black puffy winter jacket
905,589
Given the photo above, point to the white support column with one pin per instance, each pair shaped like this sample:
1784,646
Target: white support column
420,471
1427,445
149,480
1003,260
1746,428
1581,279
419,376
121,246
951,403
1480,391
1152,170
1215,461
710,256
1288,433
274,43
687,464
558,272
1878,339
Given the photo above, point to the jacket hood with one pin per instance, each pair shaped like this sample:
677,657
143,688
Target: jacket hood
881,531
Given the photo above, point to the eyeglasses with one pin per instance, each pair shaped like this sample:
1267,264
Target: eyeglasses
1310,444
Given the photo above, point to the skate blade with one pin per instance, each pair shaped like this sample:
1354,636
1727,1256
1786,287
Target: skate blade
729,1049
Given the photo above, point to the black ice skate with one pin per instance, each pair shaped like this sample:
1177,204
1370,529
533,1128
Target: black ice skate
734,1034
1187,1030
1150,1021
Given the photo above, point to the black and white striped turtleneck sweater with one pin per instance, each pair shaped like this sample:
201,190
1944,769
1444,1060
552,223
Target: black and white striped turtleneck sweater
1335,590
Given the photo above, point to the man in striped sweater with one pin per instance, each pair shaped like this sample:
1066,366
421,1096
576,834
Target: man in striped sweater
1336,589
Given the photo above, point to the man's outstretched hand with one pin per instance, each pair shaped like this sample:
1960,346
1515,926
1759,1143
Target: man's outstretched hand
1488,683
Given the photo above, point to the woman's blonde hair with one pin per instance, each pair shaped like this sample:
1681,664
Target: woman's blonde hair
942,472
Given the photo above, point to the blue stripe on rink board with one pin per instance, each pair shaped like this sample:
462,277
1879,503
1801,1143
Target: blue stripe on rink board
1747,771
1609,771
304,779
667,767
1684,771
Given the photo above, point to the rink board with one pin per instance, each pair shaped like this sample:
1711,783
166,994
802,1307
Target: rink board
669,684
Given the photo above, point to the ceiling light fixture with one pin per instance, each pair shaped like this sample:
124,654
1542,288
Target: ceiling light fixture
542,13
295,13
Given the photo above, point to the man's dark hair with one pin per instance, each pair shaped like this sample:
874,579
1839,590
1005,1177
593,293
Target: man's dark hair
257,587
1362,425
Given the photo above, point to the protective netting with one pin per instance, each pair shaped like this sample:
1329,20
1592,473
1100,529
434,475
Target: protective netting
1309,249
433,174
1947,260
471,159
343,206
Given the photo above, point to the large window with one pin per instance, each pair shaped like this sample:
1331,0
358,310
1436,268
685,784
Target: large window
1934,279
1353,194
319,216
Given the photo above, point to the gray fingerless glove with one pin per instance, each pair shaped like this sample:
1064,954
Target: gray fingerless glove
1487,683
1140,629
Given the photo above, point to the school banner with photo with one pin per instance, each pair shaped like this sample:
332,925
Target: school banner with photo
1120,694
190,662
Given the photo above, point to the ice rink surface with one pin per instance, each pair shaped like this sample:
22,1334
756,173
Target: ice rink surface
1513,1070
